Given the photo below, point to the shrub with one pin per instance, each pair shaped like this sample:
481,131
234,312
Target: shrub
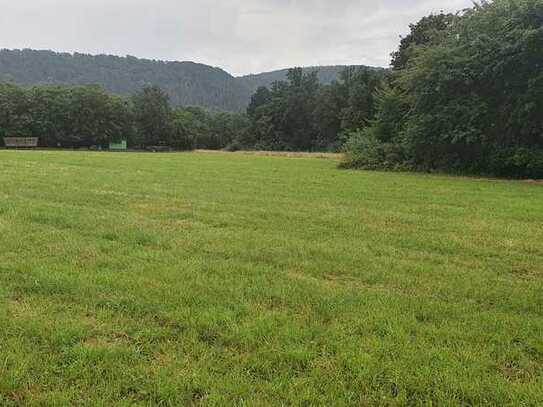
364,150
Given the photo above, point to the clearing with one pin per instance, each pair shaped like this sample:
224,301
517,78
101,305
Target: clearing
232,279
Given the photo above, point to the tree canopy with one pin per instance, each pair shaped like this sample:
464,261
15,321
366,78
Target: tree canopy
303,114
186,83
85,116
466,98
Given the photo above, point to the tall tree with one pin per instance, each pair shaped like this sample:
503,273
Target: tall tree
421,33
469,100
261,97
152,115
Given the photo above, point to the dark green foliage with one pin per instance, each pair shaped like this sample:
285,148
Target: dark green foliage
261,97
374,147
183,129
301,114
325,74
208,131
14,118
64,116
357,88
229,129
469,99
152,112
422,33
85,116
186,83
283,117
364,149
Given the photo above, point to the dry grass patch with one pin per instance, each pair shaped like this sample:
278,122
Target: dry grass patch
289,154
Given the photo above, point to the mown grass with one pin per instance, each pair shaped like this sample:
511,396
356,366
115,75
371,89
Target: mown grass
227,279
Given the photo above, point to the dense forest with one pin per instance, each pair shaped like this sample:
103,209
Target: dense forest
186,83
87,116
325,75
297,114
464,94
303,114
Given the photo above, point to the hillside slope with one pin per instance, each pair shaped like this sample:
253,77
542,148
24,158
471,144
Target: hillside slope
326,74
187,83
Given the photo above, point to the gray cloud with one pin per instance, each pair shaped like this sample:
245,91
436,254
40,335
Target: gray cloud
241,36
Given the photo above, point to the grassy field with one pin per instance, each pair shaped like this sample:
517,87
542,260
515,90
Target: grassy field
229,279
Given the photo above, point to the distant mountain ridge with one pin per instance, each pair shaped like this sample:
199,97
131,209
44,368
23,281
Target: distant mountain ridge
187,83
326,75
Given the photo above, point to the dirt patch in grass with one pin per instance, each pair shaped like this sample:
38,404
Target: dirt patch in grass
107,341
336,281
534,181
289,154
334,156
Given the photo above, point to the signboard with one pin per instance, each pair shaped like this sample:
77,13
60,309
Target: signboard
21,142
118,146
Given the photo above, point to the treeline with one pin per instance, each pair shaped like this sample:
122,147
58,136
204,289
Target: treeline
85,116
299,114
186,83
325,73
465,95
303,114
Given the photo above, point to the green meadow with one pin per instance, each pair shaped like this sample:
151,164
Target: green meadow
217,279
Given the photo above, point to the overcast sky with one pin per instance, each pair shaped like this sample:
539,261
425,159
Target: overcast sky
241,36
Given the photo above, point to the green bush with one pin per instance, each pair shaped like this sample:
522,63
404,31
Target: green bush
364,150
519,163
467,99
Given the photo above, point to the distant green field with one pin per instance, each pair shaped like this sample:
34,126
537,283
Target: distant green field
228,279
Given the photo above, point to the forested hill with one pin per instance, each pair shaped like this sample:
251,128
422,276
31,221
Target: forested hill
326,75
187,83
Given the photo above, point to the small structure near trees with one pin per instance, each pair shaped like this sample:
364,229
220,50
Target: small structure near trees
118,145
21,142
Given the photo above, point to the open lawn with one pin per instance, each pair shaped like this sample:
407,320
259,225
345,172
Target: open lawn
230,279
